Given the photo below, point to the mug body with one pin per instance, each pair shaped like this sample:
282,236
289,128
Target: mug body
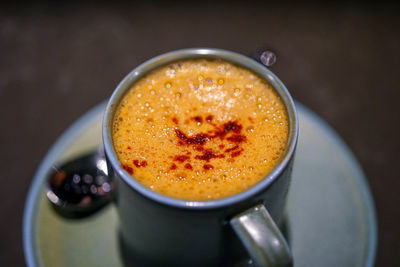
158,229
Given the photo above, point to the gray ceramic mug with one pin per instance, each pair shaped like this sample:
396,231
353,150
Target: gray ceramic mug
163,230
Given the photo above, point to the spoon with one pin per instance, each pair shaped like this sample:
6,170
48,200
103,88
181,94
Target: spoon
79,187
265,56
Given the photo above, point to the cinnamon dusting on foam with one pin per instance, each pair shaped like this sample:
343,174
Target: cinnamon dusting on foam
200,129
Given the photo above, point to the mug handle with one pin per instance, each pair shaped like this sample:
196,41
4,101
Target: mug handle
261,237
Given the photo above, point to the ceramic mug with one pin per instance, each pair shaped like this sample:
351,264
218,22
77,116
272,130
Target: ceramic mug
169,231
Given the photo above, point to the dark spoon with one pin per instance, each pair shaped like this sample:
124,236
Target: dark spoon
81,186
265,56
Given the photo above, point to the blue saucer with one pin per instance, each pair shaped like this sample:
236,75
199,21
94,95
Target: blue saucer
330,212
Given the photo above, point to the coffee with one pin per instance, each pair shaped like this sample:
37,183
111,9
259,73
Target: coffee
200,129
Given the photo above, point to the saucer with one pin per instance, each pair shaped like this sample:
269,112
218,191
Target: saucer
330,212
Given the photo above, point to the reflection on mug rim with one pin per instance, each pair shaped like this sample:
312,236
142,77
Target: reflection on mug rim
191,53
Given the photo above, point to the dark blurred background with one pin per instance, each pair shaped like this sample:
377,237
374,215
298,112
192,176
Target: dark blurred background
57,61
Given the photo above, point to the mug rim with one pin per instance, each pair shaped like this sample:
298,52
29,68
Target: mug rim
191,53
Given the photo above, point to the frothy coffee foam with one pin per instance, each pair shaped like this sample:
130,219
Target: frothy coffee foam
200,129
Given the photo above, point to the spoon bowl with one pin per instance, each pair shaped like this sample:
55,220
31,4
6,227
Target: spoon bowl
79,187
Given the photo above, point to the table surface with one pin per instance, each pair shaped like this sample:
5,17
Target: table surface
56,62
